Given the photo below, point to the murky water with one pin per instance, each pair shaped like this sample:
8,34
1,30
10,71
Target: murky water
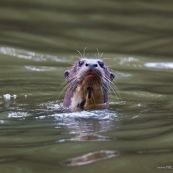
38,42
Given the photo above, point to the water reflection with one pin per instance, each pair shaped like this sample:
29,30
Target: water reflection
91,157
86,125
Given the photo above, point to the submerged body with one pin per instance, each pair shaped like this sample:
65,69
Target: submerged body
89,81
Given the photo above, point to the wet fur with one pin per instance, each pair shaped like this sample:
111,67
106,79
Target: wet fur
87,93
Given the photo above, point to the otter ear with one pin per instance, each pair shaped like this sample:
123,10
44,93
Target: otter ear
112,76
66,74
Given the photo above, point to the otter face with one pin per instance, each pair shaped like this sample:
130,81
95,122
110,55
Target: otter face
89,80
89,68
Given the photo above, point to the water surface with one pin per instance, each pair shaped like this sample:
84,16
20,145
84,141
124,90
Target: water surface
38,42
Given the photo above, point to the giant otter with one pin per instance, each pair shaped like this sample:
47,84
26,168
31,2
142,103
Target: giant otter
88,84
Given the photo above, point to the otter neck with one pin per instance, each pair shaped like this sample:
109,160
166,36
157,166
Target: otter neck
88,97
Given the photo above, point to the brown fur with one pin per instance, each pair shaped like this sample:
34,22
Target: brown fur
88,88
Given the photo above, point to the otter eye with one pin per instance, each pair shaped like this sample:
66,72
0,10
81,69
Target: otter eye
80,63
101,64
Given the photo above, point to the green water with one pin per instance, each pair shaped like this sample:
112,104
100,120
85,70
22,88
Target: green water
38,42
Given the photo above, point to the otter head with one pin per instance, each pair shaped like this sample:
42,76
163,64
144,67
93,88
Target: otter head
89,80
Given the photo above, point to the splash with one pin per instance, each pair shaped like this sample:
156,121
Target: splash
95,114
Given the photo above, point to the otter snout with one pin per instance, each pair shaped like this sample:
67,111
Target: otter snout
91,65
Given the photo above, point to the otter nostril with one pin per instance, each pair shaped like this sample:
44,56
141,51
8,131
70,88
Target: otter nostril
91,65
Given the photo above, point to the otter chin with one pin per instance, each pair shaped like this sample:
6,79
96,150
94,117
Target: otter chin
88,85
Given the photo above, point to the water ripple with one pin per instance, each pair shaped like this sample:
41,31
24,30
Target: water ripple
22,54
160,65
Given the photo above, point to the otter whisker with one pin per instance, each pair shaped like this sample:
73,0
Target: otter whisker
73,85
115,91
66,85
80,54
62,90
84,51
78,57
63,87
63,83
99,55
112,87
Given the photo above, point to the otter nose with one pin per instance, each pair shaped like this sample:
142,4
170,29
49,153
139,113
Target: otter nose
91,65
